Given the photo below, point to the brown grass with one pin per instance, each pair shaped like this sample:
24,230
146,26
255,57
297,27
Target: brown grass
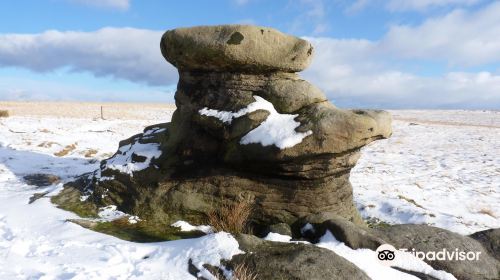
231,218
4,113
133,111
487,211
240,272
66,150
47,144
90,153
412,201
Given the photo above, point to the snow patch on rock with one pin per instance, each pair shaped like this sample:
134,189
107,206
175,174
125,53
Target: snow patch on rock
122,160
110,213
276,237
185,226
278,129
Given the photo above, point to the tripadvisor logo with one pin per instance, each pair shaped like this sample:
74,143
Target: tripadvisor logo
387,254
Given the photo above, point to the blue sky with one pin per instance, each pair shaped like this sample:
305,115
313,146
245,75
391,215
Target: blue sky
368,53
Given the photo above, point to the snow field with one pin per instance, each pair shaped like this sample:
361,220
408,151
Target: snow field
444,171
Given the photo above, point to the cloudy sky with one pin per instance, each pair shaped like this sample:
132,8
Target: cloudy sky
368,53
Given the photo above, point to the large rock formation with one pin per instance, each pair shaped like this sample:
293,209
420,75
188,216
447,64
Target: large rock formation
247,127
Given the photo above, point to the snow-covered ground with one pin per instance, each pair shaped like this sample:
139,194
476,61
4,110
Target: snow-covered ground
440,167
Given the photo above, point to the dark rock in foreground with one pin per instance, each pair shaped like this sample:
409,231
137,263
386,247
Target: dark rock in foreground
41,180
490,239
422,238
275,260
426,238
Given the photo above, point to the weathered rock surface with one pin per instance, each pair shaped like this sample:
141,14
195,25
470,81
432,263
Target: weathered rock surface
490,239
246,128
422,238
235,47
419,275
275,260
426,239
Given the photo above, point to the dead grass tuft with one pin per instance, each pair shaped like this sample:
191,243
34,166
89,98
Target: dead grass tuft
230,217
242,272
90,153
412,201
66,150
487,211
47,144
4,114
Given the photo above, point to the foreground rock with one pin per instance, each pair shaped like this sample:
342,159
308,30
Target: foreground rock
426,239
491,241
275,260
422,238
246,128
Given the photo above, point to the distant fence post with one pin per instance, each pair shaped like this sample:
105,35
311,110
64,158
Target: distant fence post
102,114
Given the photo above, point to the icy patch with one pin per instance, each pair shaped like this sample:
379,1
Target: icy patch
122,161
185,226
367,261
155,130
278,129
106,178
133,219
110,213
276,237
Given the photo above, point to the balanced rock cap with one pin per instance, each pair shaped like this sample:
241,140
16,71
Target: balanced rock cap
240,48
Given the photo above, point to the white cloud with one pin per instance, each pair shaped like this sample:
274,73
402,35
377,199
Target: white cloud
355,72
21,89
367,72
396,89
357,6
459,38
124,53
409,5
310,13
113,4
422,5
